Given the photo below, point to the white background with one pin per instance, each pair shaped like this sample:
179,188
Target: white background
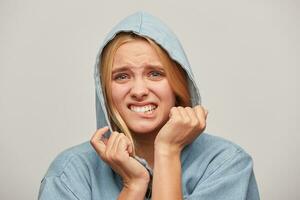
245,55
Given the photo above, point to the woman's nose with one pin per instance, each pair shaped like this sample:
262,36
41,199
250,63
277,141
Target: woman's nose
139,90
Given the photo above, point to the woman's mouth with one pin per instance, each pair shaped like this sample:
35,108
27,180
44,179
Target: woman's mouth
148,109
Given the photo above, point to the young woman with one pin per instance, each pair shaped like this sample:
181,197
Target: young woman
150,141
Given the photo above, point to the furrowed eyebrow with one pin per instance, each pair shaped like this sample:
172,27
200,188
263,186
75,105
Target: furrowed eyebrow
121,69
160,68
125,68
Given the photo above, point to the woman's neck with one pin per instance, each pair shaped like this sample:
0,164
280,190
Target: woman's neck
144,146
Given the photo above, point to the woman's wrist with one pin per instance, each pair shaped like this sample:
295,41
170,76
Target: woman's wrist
136,185
162,149
134,190
167,173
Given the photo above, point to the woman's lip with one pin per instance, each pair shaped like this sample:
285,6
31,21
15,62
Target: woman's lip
141,104
145,115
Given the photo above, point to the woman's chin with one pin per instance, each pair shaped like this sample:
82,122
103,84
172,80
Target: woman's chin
143,129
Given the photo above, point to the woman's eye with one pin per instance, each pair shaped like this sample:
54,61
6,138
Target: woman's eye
121,77
155,73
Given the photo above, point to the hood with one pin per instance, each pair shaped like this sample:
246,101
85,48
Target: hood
144,24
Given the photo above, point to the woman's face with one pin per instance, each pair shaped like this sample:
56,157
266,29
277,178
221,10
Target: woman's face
140,89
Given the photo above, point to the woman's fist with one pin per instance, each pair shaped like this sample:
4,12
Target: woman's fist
116,151
183,126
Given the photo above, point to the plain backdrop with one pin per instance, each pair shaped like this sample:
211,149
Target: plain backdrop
245,56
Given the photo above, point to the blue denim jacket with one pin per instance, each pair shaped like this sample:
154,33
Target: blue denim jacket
212,168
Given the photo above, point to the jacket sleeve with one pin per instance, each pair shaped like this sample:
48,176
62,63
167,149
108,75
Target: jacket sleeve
233,179
69,184
53,188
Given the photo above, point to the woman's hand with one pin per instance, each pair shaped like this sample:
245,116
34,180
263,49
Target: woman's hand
184,125
116,151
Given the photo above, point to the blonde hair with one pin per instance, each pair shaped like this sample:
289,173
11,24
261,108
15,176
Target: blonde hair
176,76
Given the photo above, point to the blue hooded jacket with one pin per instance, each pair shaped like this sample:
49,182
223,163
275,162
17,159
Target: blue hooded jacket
212,168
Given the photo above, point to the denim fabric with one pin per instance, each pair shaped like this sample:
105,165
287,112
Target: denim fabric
212,168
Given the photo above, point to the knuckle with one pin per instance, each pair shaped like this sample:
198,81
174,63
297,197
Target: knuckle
197,108
114,133
173,109
188,108
122,135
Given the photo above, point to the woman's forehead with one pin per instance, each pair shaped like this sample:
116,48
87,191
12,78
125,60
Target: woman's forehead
135,48
136,54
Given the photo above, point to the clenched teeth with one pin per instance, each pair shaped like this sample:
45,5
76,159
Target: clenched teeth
143,109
